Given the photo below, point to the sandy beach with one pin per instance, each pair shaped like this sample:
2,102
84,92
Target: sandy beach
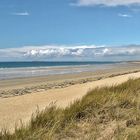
61,90
70,70
35,84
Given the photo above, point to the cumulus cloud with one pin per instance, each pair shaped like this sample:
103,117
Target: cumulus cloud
21,14
59,51
69,53
107,2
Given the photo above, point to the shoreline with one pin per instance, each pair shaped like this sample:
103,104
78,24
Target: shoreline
39,72
22,86
27,72
57,85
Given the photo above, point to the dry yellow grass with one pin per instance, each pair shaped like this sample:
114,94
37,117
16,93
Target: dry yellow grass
21,107
104,113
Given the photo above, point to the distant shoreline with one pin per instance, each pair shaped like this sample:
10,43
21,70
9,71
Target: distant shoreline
20,70
29,85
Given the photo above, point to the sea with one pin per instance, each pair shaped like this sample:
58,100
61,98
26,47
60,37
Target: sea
9,70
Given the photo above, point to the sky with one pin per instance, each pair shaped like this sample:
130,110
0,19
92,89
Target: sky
69,30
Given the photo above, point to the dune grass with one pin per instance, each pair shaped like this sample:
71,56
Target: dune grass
104,114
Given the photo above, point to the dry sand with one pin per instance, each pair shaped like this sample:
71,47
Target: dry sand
21,107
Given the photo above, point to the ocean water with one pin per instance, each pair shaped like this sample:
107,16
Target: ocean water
10,70
48,64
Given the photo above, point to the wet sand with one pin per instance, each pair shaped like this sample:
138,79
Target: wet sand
21,86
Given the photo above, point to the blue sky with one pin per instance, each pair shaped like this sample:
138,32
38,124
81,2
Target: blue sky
67,23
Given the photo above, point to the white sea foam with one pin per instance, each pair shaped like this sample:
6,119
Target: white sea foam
8,73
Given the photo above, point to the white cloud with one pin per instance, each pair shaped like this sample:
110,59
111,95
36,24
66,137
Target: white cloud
107,2
21,14
124,15
69,53
58,51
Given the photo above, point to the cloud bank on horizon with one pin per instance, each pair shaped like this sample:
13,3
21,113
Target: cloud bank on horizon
70,53
107,2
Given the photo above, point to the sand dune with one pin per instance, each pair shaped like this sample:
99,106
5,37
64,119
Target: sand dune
21,107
